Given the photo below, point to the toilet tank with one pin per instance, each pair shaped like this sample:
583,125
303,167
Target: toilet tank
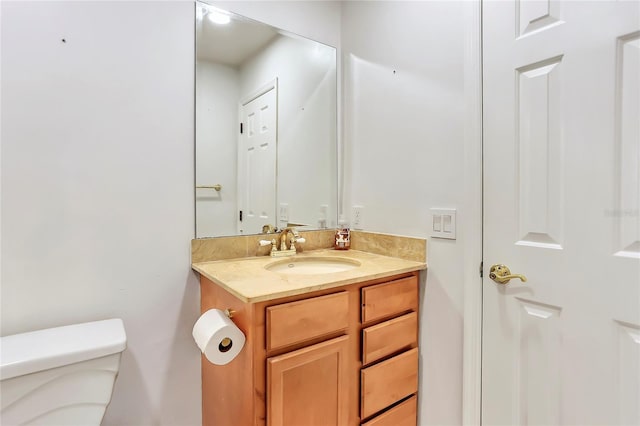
60,376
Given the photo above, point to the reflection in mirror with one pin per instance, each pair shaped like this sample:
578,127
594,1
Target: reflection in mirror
265,127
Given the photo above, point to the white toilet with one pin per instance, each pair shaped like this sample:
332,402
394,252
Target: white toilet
60,376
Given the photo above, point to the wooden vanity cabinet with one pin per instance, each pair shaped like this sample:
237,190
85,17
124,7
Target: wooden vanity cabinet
343,356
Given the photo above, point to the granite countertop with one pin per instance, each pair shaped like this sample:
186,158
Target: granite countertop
249,281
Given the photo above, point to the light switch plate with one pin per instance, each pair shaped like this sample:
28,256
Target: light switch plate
443,223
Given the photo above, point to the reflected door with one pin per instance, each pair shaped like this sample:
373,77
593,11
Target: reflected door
561,200
257,161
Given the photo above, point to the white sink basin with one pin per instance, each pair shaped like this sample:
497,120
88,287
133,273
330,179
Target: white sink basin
312,265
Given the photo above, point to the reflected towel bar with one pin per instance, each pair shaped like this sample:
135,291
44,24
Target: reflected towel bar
217,187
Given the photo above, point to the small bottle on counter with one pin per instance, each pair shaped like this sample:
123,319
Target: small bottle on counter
343,236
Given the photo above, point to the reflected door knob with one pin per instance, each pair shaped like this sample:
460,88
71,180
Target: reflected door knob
502,275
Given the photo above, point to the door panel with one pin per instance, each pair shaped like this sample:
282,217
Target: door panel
628,145
539,148
561,98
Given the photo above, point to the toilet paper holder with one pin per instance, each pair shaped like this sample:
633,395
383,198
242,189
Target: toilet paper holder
226,343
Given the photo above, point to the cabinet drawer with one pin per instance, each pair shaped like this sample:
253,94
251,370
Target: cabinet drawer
388,299
389,337
388,382
296,322
405,414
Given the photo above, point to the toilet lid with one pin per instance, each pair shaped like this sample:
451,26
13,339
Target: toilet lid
34,351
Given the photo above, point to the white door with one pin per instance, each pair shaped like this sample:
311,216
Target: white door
257,161
561,206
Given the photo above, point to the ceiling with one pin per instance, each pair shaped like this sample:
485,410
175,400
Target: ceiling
232,43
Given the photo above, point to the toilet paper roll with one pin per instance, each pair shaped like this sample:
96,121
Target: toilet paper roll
219,339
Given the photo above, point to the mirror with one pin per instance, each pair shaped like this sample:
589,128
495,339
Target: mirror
266,130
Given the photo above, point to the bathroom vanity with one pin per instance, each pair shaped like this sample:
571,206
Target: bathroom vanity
338,348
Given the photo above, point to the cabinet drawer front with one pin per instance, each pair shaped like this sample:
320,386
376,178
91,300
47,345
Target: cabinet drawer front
405,414
388,382
388,299
389,337
296,322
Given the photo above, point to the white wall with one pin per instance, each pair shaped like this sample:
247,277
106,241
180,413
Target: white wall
97,188
217,94
306,123
404,137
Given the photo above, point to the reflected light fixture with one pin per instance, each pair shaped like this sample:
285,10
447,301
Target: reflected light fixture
218,17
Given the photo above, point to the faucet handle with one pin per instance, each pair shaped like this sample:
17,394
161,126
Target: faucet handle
296,239
272,243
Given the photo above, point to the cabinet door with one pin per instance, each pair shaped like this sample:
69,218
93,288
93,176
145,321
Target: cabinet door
309,386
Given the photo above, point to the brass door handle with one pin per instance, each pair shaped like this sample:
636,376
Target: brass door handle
502,275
